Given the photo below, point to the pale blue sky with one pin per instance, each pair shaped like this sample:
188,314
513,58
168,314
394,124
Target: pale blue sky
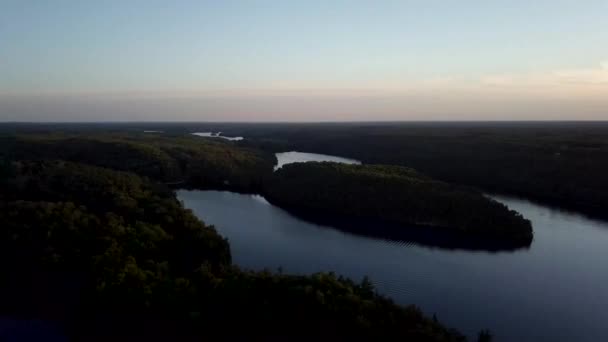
266,60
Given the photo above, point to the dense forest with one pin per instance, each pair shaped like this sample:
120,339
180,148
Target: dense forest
563,164
103,247
186,161
367,197
109,255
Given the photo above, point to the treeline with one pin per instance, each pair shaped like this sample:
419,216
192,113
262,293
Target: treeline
371,197
112,256
183,160
562,164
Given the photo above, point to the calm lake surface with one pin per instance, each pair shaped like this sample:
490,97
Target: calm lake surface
217,135
554,291
300,157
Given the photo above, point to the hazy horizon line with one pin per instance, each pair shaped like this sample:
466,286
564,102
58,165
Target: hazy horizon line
308,122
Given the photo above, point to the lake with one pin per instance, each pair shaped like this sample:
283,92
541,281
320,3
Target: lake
217,135
556,290
553,291
300,157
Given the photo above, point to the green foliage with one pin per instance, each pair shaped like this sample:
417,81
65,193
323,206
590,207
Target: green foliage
395,194
559,163
322,306
111,229
184,161
111,255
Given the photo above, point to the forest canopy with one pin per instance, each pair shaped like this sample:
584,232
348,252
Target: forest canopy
187,161
184,160
107,253
562,164
393,194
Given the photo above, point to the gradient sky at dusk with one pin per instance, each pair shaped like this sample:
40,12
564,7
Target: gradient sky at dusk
303,60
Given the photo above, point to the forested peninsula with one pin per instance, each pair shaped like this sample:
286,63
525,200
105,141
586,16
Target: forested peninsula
108,255
369,198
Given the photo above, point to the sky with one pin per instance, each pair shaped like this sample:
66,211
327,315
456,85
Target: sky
119,60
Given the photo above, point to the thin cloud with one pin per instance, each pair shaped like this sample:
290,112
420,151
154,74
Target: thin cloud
564,77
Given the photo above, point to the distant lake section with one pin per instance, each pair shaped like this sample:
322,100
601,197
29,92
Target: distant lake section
284,158
216,135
